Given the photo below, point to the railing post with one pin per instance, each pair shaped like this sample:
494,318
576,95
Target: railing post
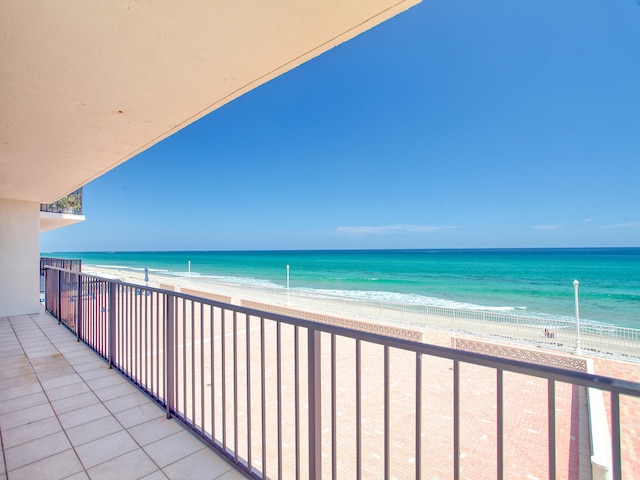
59,306
315,421
551,416
500,423
112,323
169,341
46,289
616,454
387,416
456,419
79,315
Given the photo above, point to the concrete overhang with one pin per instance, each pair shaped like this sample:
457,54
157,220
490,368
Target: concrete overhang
85,86
51,221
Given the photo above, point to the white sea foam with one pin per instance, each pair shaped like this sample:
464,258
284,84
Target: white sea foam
391,299
101,274
113,267
127,267
404,299
251,281
156,270
360,295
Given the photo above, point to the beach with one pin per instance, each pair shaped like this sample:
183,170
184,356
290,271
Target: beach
438,324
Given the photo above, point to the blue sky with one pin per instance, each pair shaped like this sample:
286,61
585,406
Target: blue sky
457,124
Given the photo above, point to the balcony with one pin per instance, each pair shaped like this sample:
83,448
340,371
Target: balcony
281,397
66,211
65,414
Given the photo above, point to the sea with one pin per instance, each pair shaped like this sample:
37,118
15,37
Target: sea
526,282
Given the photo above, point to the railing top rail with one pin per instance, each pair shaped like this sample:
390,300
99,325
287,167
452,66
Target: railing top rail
623,387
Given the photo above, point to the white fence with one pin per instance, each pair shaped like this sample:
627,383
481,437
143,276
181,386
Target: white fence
555,333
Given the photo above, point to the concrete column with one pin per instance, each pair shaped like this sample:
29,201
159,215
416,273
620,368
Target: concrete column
19,257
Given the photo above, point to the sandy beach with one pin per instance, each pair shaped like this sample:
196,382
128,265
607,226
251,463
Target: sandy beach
437,329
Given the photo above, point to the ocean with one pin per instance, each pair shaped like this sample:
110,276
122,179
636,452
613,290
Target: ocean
528,282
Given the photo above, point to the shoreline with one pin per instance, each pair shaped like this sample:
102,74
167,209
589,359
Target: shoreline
437,329
532,283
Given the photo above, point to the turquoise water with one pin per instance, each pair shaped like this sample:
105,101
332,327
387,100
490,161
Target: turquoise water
521,281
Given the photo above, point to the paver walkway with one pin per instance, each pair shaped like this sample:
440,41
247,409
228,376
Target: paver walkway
65,414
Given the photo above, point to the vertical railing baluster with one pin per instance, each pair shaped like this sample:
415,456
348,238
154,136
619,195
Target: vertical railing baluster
315,407
551,415
100,342
456,419
59,309
138,372
80,306
387,415
151,343
212,313
263,398
118,329
223,379
183,320
616,454
146,340
130,328
248,368
334,433
202,408
176,355
136,341
279,394
193,365
296,387
158,349
235,385
418,416
112,323
358,410
169,353
500,422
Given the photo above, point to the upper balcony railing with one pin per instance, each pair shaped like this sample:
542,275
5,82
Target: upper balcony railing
282,397
71,203
64,263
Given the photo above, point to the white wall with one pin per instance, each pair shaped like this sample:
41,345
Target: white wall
19,257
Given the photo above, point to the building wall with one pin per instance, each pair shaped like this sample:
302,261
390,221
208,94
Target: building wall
19,257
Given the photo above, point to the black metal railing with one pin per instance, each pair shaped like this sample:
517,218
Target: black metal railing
71,203
64,263
281,397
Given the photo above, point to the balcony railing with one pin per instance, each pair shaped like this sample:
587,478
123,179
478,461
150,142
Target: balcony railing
282,397
71,203
64,263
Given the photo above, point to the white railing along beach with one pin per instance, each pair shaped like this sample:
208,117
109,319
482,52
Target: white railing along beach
551,332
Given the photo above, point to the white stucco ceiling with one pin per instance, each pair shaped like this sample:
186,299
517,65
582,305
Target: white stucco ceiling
86,85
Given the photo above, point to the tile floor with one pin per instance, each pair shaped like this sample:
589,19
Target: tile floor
64,414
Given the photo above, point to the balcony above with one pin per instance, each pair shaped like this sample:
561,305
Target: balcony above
64,212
